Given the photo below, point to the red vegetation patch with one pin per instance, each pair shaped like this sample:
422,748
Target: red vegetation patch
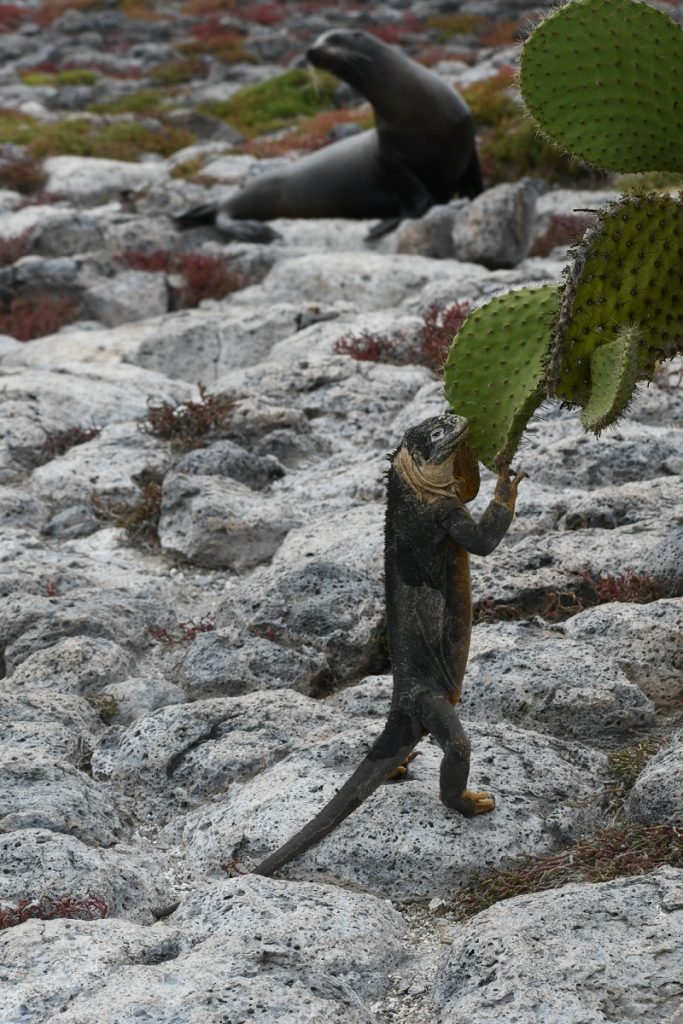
48,908
14,248
140,520
11,15
589,590
264,13
27,318
563,229
395,31
430,347
205,276
188,631
21,173
501,33
313,133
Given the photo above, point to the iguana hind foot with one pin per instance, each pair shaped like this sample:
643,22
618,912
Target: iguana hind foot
471,803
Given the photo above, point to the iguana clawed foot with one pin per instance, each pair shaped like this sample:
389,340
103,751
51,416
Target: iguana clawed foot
402,770
471,803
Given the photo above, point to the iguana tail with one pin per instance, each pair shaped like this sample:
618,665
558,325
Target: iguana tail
398,738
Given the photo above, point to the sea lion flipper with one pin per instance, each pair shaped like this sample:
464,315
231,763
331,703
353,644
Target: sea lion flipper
245,230
383,228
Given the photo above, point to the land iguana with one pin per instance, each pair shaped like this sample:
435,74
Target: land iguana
429,535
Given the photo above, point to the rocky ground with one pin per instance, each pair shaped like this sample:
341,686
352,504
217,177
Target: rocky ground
192,626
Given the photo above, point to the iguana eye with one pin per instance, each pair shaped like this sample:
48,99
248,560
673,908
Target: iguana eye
437,435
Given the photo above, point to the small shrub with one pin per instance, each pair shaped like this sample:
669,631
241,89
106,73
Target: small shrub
60,441
188,631
21,173
395,32
366,347
14,248
276,103
616,851
48,908
118,140
27,318
212,39
446,26
626,764
174,72
490,101
37,78
501,33
188,425
140,520
77,76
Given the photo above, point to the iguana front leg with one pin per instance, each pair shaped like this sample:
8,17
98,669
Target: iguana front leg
483,537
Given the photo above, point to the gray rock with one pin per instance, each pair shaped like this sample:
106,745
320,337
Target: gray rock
221,523
92,179
622,454
644,640
46,794
132,880
40,724
225,458
402,841
431,235
201,344
495,229
136,697
73,234
664,563
586,953
258,963
31,623
107,467
370,281
524,674
609,507
75,664
333,929
131,295
36,403
179,756
322,601
232,662
19,505
657,795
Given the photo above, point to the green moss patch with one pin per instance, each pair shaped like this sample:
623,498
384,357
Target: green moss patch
276,103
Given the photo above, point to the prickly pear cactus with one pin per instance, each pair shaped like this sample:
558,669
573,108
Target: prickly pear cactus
627,270
604,79
495,374
615,370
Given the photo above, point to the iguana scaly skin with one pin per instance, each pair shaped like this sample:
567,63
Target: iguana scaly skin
428,537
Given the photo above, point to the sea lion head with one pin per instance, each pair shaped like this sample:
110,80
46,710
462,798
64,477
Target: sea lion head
348,53
436,460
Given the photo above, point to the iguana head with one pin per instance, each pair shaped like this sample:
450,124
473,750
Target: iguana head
436,460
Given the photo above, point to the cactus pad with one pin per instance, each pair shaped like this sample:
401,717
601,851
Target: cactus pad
615,369
495,371
604,79
628,269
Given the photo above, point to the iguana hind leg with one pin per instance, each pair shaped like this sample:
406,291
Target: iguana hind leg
441,721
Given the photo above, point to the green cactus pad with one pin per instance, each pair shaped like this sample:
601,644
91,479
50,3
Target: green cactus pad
615,369
495,371
604,79
628,270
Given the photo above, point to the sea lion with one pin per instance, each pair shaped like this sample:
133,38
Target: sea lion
420,152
